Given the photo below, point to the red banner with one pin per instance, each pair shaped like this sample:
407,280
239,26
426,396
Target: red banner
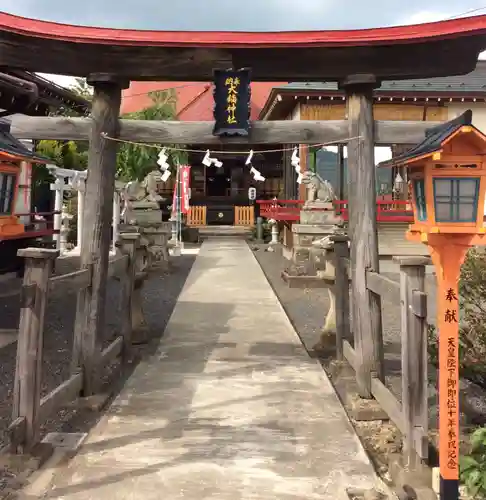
185,189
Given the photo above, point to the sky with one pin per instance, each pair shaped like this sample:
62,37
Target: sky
250,15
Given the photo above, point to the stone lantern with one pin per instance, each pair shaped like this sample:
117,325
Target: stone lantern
448,176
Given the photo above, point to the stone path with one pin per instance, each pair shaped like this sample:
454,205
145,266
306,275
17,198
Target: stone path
230,407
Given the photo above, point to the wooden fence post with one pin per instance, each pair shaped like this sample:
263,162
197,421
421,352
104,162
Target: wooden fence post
143,262
341,254
414,358
28,371
129,243
368,336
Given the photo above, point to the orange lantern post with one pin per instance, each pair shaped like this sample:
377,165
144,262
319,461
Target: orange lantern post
448,177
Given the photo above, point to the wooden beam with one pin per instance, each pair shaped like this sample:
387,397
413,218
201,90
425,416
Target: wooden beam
148,57
383,286
174,132
62,395
75,280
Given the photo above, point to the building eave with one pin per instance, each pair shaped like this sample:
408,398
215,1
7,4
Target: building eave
21,91
278,108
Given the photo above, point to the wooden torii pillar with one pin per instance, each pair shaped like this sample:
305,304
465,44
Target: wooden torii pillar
97,219
366,306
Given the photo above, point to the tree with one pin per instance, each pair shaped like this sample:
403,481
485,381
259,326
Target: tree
82,89
64,153
134,161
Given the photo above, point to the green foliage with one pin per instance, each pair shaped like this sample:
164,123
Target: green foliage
473,466
80,88
68,154
472,332
64,154
134,162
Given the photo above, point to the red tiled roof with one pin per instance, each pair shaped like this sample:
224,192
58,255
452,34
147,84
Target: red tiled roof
136,96
194,99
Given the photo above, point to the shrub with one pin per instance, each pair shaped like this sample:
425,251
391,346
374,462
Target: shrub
473,466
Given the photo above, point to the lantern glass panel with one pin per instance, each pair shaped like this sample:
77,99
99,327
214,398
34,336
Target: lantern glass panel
7,187
419,190
456,199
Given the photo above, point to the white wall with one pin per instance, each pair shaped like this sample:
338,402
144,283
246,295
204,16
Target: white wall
478,108
22,203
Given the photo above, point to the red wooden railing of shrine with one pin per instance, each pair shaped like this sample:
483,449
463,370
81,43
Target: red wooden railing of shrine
41,224
282,210
289,210
386,210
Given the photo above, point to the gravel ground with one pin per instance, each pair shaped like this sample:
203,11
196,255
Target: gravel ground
161,291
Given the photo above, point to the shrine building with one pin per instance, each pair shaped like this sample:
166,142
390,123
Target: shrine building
220,190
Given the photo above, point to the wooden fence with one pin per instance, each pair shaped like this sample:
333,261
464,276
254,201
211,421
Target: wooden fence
366,355
30,410
196,216
245,216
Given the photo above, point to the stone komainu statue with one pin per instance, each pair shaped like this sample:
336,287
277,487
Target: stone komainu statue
318,189
142,193
145,190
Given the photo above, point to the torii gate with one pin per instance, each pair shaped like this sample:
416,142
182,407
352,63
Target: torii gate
359,60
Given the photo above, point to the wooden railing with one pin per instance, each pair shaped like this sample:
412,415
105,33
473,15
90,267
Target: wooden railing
364,351
35,228
30,410
282,210
289,210
245,216
196,216
386,210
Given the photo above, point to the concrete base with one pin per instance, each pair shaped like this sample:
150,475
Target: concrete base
364,409
371,494
411,483
69,441
234,231
96,402
303,281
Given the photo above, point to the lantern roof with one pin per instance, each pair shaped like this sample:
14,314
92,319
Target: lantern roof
14,149
435,139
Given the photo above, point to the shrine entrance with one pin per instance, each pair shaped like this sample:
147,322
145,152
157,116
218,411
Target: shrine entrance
358,60
222,190
218,181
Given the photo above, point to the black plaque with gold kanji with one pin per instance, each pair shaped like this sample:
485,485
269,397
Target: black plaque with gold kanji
232,98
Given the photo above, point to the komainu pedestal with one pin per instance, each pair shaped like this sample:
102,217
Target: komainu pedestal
317,220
